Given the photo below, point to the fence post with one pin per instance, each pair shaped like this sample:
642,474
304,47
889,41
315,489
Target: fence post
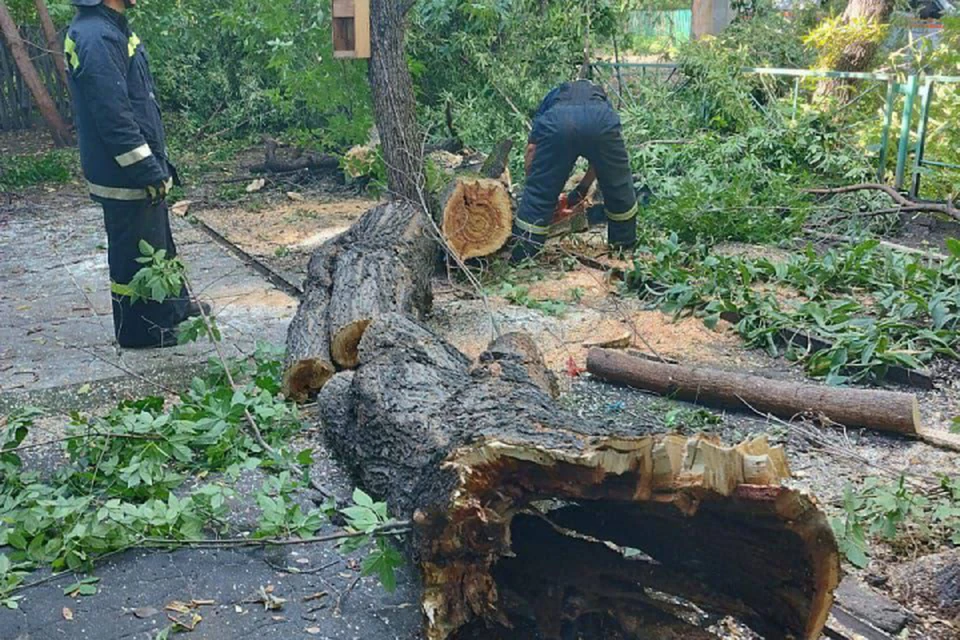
925,103
911,90
892,87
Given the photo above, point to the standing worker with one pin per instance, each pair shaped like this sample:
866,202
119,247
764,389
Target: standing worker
123,154
575,120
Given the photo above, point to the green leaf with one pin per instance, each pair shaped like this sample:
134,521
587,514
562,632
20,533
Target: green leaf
953,246
360,518
17,541
362,499
145,248
123,290
305,457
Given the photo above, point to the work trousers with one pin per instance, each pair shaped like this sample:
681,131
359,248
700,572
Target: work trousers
569,131
144,323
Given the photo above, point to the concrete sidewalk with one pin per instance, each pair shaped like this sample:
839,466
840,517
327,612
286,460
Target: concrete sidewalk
55,323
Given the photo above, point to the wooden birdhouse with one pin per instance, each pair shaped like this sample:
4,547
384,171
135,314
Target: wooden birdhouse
351,28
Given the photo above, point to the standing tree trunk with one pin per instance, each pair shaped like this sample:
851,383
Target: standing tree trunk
58,127
393,100
53,42
859,53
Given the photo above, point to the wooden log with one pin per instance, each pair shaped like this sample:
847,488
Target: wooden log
476,211
381,264
477,216
299,160
880,410
532,521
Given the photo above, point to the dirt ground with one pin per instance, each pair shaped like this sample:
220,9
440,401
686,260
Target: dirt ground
588,306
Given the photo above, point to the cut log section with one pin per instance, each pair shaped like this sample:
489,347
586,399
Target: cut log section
533,522
476,211
880,410
477,216
380,265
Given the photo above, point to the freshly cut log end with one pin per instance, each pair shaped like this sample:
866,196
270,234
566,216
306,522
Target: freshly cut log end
477,217
346,342
534,522
305,377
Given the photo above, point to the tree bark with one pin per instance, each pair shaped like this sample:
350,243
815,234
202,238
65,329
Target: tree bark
857,55
59,129
394,104
382,264
880,410
531,518
53,42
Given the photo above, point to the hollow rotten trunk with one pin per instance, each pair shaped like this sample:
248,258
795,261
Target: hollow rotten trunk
533,522
382,264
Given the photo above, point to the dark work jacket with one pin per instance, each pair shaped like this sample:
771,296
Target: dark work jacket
122,143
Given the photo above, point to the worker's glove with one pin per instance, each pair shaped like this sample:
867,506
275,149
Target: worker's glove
157,193
574,198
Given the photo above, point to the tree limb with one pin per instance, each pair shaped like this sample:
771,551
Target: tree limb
907,205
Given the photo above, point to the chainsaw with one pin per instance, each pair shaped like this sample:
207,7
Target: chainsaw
576,219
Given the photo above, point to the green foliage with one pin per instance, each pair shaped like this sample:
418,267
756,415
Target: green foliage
367,517
127,475
895,513
878,307
685,419
520,296
833,35
740,173
495,60
244,66
159,278
50,167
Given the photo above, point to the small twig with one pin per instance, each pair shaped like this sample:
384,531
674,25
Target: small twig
932,255
343,594
117,436
397,527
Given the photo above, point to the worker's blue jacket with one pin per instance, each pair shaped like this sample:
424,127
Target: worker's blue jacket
122,143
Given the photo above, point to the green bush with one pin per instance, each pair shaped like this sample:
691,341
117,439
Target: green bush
245,66
53,167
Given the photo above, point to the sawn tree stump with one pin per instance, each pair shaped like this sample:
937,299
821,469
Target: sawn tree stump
533,522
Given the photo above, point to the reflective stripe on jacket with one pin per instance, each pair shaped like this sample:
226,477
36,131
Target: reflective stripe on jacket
122,142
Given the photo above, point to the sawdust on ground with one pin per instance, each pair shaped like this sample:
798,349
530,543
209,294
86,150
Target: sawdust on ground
297,226
596,313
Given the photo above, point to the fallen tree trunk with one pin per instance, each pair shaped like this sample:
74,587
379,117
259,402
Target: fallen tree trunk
381,264
300,161
531,521
880,410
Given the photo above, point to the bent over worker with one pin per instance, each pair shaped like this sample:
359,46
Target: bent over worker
123,154
575,120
